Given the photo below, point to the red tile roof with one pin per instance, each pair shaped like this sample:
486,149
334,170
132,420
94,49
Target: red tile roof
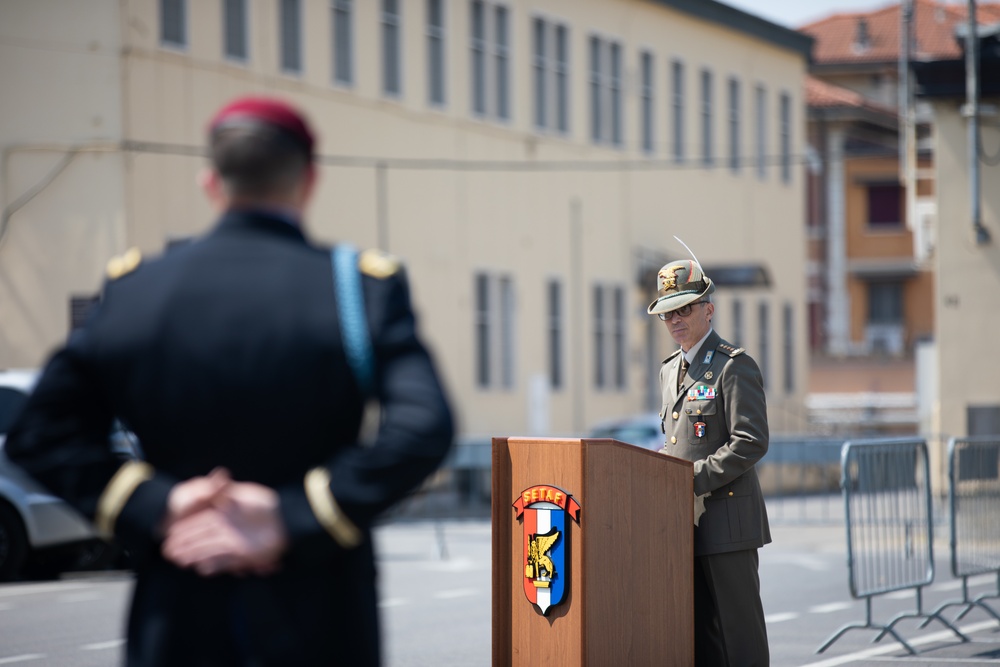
820,94
836,35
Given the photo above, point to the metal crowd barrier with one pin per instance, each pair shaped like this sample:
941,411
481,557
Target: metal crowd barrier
974,501
800,478
890,532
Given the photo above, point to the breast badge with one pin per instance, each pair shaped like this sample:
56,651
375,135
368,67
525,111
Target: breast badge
701,393
545,543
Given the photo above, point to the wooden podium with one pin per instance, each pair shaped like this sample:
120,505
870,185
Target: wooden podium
627,596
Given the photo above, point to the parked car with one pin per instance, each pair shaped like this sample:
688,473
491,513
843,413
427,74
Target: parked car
642,430
41,535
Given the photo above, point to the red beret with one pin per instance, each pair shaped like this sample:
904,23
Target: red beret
267,110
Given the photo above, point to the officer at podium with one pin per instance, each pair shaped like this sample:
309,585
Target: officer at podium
714,414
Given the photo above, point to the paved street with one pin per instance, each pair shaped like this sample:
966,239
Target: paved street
435,598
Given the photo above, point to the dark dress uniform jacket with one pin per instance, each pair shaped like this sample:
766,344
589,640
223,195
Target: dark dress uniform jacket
227,352
718,420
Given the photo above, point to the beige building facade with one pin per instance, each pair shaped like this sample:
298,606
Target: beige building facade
967,289
531,163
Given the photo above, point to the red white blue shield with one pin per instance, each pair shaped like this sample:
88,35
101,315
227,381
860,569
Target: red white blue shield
545,541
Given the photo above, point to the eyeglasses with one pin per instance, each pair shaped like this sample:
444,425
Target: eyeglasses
683,311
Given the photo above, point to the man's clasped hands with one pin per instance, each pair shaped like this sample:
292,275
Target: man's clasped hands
215,525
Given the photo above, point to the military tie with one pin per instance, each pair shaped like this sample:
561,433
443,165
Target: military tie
683,371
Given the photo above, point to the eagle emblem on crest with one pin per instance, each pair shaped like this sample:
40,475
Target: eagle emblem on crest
668,277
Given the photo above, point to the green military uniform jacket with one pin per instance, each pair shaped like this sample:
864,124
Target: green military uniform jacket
718,420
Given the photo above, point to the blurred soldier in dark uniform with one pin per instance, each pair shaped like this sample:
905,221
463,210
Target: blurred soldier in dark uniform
714,414
250,515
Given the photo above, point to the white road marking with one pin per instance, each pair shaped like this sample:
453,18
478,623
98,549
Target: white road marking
31,589
21,658
829,608
799,560
452,565
900,595
956,584
781,618
393,602
457,593
85,596
100,646
893,647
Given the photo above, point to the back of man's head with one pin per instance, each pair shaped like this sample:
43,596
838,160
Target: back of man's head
261,148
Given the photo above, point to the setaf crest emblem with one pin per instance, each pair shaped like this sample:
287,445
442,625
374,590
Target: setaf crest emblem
545,543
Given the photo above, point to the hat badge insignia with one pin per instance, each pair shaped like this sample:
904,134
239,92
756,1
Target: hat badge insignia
668,277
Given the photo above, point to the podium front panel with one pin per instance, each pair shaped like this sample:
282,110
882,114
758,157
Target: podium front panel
627,593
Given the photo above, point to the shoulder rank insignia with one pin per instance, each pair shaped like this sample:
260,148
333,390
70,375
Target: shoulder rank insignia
676,352
377,264
124,263
730,350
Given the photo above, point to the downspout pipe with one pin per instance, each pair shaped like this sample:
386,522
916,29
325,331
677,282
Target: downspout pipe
972,95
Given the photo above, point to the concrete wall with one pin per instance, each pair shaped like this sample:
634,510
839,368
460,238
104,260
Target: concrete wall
61,173
581,225
967,292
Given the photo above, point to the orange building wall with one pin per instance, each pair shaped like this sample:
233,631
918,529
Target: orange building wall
918,307
863,243
894,244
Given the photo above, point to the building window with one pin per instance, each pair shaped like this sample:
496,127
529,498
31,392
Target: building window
734,125
501,58
609,337
435,52
618,338
173,22
788,324
600,335
550,67
555,334
490,85
291,35
343,61
562,78
605,91
615,91
786,138
677,102
761,106
885,205
646,94
234,18
737,321
764,340
478,58
596,85
495,326
391,51
885,302
706,117
483,331
507,351
540,70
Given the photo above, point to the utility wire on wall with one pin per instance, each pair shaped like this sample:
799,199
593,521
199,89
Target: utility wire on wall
400,163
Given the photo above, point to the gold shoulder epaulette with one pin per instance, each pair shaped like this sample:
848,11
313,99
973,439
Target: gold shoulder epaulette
730,350
676,352
124,263
377,264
